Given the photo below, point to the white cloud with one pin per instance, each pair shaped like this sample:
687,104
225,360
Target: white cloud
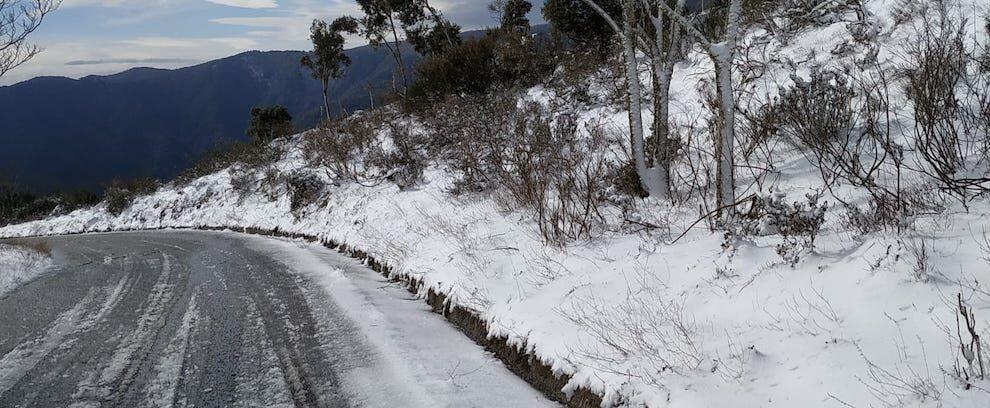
112,3
251,4
162,42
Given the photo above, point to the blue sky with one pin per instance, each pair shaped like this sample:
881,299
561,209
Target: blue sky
88,37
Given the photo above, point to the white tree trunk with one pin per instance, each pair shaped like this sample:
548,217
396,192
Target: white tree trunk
649,178
723,55
725,137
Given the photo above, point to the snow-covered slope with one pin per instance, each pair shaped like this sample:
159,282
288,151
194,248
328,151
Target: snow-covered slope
862,320
20,264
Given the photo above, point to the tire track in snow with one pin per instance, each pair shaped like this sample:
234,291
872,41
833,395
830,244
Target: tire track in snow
114,378
259,377
161,392
19,361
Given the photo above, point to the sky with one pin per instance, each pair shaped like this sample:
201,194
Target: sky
86,37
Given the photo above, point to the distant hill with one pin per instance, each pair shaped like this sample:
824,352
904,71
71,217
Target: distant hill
65,133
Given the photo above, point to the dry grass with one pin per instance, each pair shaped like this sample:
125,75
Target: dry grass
35,245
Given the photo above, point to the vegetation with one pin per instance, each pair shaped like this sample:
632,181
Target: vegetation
327,61
18,20
119,195
268,124
19,206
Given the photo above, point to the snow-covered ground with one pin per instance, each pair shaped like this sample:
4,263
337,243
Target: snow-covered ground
20,264
863,320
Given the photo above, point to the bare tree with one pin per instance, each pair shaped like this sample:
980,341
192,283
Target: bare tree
661,48
665,52
722,54
18,19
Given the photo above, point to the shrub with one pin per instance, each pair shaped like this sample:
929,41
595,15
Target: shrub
470,137
251,155
305,189
120,195
269,123
537,156
626,181
798,223
467,69
937,61
498,59
405,163
342,146
843,125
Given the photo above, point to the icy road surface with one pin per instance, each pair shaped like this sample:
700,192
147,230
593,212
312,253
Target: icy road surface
158,319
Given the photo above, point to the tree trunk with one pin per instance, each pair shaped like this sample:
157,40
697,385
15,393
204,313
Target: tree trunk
723,54
725,137
398,54
647,178
326,99
663,151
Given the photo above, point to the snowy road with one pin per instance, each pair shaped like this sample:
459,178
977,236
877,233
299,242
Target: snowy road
211,319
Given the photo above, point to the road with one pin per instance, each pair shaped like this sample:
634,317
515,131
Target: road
160,319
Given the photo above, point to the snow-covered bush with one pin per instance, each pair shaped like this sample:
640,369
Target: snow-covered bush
817,115
119,195
559,173
404,164
787,18
305,189
798,223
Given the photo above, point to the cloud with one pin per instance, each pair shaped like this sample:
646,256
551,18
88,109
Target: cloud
235,43
251,4
112,61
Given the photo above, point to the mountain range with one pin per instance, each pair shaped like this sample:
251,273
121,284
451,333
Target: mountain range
62,133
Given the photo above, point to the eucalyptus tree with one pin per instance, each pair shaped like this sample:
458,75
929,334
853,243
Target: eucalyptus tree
666,22
327,60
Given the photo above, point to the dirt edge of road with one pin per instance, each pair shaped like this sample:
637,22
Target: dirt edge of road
522,363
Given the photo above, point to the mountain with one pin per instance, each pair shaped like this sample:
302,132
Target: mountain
66,133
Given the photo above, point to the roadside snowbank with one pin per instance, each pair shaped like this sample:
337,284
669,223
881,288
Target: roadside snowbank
20,264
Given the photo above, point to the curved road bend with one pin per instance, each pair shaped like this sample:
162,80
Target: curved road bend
199,319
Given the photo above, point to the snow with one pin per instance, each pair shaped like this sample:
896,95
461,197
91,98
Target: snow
403,330
860,321
19,265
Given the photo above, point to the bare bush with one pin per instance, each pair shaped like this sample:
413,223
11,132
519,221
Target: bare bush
342,146
921,253
471,136
540,156
647,327
843,124
405,163
787,18
970,346
937,61
561,174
